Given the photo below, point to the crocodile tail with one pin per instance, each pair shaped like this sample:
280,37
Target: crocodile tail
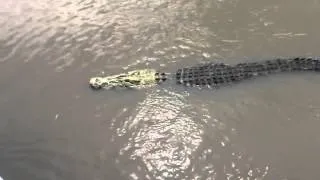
216,74
279,65
305,64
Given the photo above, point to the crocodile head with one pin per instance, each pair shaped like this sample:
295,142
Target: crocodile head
132,79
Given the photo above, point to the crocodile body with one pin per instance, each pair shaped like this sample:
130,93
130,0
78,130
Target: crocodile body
210,74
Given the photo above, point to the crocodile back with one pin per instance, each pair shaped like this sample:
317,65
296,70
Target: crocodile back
218,74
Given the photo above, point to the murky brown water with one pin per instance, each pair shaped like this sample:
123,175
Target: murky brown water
53,126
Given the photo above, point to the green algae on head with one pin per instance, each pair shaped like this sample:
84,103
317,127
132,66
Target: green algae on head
132,79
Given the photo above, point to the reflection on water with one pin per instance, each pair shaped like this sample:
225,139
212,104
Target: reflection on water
82,32
167,138
53,126
162,136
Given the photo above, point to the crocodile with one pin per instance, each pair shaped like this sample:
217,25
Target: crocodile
207,74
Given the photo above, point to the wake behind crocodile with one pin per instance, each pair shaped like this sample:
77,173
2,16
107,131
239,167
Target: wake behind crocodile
207,74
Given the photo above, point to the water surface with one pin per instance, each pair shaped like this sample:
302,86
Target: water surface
53,126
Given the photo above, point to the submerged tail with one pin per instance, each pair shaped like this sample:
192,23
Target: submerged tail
217,74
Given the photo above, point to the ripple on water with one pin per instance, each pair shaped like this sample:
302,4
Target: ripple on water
167,138
162,137
36,159
78,33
